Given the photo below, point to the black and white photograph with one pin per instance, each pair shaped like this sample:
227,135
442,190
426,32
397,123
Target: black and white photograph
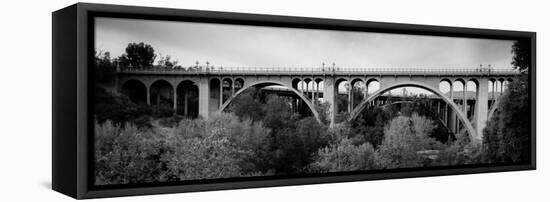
178,101
274,101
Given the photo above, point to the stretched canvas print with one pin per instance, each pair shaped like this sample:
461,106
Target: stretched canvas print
179,101
183,100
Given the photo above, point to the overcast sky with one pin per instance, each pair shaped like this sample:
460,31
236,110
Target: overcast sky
256,46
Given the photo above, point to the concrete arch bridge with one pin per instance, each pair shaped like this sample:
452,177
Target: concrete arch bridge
202,91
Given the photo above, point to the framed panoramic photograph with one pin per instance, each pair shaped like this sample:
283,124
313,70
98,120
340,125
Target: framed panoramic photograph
153,100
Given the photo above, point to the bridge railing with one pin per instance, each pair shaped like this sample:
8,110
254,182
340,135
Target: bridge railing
315,70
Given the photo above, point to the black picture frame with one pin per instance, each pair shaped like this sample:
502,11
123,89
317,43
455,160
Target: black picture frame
72,134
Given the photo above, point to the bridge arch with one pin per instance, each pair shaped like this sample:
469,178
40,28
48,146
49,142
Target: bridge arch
239,83
446,79
373,83
318,79
296,84
460,80
309,83
471,131
135,90
161,93
354,80
372,79
227,78
270,83
228,88
187,104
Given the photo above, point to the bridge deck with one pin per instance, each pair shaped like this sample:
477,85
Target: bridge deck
323,71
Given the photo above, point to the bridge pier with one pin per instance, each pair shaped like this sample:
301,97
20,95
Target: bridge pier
451,119
220,93
329,97
464,101
148,92
175,100
204,97
350,97
481,111
185,103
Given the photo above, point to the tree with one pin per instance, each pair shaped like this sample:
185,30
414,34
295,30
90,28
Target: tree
220,147
105,68
167,62
120,109
294,148
521,51
403,139
344,156
460,152
123,154
138,55
248,105
278,114
358,96
323,111
342,102
369,126
506,136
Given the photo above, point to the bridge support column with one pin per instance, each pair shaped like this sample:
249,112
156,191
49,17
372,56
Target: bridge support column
329,97
438,108
451,119
464,99
316,93
350,98
148,92
494,88
366,90
221,94
481,110
185,103
174,99
232,88
204,101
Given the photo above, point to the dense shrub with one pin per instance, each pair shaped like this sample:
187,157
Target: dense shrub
105,68
460,152
119,109
404,137
208,157
344,156
291,142
369,126
294,148
127,155
248,105
506,136
323,111
278,114
220,147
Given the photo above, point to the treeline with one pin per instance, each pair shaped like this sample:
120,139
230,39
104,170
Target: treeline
260,135
136,56
507,134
